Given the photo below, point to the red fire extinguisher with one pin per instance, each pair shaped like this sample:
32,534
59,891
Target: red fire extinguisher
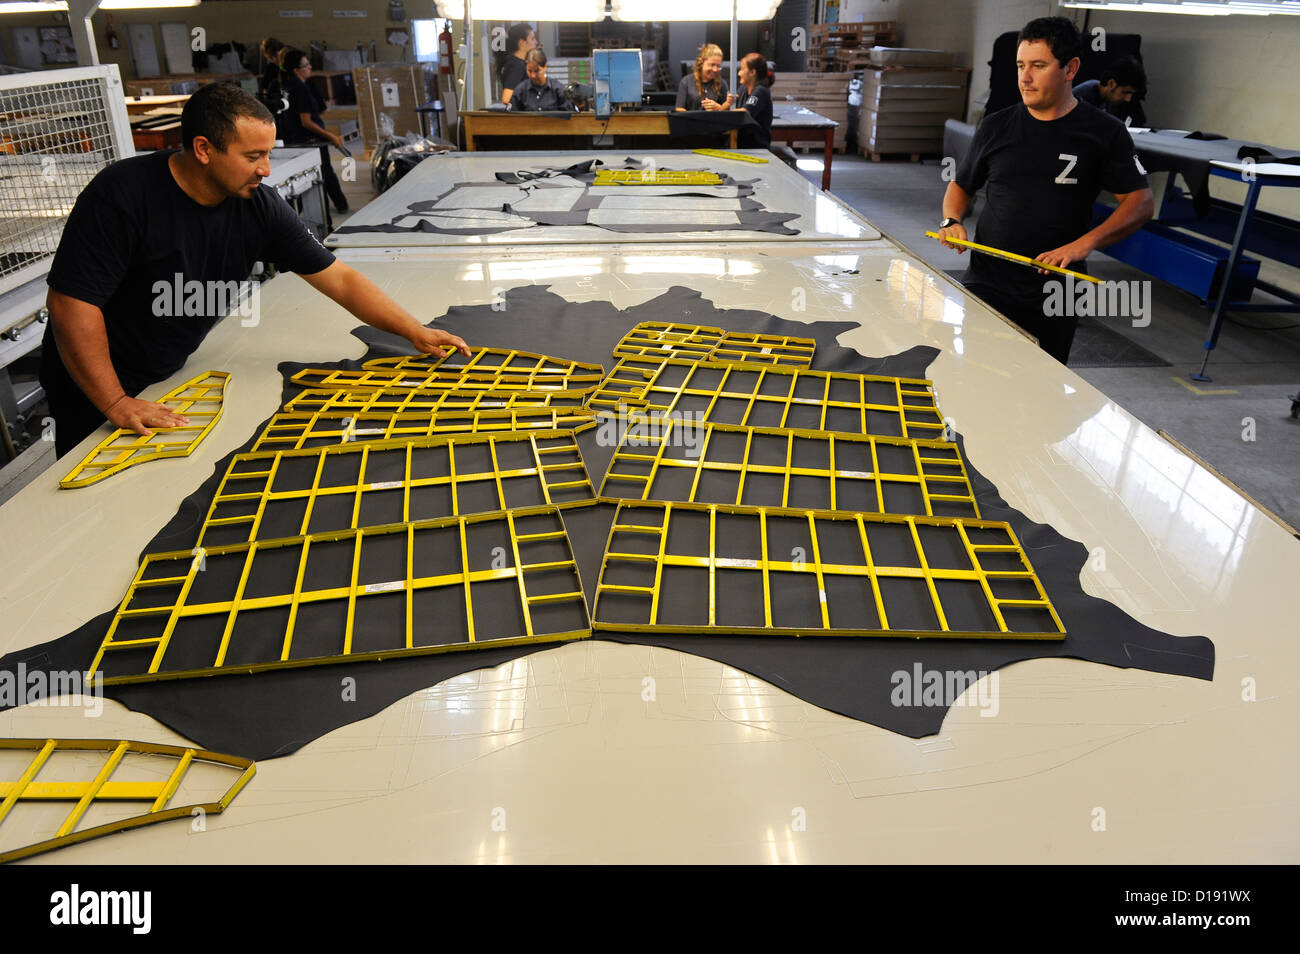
445,64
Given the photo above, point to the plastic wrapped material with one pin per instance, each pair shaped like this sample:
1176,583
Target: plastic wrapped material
396,156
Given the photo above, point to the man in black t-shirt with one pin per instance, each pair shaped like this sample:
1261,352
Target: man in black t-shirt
1044,163
151,252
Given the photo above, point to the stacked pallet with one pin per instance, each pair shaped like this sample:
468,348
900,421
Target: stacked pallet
906,97
823,93
827,41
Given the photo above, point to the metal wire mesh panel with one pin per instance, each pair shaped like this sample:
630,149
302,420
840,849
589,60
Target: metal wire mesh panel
769,467
710,568
464,583
343,486
124,771
709,392
292,430
57,131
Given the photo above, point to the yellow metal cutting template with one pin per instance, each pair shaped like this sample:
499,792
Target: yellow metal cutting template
724,154
320,598
657,177
698,569
722,393
1012,257
100,788
368,483
655,339
296,430
722,463
200,399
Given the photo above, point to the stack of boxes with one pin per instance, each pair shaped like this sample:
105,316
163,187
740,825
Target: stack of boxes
832,47
823,93
906,97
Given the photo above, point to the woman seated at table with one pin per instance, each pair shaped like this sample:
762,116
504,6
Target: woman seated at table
705,88
754,79
537,93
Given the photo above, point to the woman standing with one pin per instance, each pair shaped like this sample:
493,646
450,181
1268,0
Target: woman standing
705,88
754,79
510,68
303,123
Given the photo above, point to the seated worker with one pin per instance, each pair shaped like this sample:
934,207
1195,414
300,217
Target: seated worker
510,67
1044,161
142,226
537,93
1115,88
303,125
755,79
704,87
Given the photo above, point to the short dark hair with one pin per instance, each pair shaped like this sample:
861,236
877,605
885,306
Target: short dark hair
292,57
1126,71
757,64
1060,34
213,111
535,56
516,35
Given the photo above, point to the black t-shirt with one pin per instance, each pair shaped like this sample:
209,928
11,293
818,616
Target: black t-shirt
133,231
688,95
302,99
513,72
1042,179
759,105
530,98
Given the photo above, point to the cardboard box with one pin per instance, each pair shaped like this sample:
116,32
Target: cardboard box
904,56
387,96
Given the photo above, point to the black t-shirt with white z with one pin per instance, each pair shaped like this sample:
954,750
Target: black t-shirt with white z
1043,178
133,231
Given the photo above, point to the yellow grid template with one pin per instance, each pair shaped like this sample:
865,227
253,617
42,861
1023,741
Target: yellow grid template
394,400
460,583
101,788
721,393
697,569
200,399
369,483
657,177
294,430
721,463
657,339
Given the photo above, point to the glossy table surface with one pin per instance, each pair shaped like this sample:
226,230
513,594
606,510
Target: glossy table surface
563,747
821,216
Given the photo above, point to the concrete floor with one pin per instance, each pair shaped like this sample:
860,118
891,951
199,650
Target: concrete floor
1239,424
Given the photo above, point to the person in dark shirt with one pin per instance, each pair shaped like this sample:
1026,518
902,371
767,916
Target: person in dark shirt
269,83
704,87
537,93
303,124
1043,163
1115,89
510,70
755,79
156,248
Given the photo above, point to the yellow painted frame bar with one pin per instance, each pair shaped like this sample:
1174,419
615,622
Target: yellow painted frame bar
429,401
187,567
1013,257
657,177
487,362
101,788
629,486
201,398
870,569
723,154
655,340
254,476
633,386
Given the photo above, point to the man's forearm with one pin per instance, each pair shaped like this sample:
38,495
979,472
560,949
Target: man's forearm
1133,212
956,202
83,346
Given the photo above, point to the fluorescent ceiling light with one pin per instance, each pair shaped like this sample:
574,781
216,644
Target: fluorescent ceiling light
1204,8
564,11
59,6
669,10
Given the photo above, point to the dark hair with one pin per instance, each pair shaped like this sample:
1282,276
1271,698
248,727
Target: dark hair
757,64
1060,34
535,56
271,46
292,57
213,111
1125,72
516,35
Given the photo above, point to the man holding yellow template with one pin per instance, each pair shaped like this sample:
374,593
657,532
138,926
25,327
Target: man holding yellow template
1044,162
